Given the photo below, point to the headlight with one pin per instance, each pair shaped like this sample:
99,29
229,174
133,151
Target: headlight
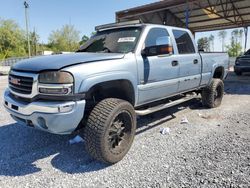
55,83
55,77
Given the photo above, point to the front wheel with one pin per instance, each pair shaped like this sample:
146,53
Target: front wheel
212,95
110,130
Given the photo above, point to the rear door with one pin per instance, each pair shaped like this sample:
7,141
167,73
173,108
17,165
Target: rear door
157,75
189,60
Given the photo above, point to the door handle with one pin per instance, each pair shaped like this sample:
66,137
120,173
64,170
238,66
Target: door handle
175,63
196,61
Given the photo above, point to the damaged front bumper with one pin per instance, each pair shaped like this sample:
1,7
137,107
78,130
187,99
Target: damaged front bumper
58,117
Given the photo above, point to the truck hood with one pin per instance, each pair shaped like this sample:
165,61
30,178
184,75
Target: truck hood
244,60
56,62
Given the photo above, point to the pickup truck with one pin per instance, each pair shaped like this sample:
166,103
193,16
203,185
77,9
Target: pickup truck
125,70
242,63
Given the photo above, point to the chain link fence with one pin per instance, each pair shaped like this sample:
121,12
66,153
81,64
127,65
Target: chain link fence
11,61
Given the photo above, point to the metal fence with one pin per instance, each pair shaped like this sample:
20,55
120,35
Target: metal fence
11,61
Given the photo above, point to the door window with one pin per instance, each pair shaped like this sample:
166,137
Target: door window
184,42
156,37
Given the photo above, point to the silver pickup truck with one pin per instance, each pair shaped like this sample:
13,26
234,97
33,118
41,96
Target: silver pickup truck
125,70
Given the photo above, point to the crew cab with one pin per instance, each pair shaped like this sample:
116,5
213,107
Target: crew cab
242,63
125,70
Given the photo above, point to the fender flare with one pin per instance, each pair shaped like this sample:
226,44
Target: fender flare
95,79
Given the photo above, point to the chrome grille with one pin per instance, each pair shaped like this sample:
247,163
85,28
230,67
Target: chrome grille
20,84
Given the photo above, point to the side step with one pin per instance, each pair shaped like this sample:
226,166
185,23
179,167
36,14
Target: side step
164,106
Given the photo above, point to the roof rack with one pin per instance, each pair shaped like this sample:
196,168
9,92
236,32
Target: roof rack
133,22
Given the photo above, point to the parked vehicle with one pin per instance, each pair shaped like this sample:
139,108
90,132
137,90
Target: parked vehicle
126,69
242,63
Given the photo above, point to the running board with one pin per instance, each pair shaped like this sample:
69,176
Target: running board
164,106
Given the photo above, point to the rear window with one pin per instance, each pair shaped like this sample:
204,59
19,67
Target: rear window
184,42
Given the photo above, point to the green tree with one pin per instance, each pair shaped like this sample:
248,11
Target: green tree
211,42
222,35
235,48
34,39
64,39
241,32
12,40
203,44
93,33
84,39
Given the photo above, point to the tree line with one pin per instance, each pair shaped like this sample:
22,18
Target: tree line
13,40
234,49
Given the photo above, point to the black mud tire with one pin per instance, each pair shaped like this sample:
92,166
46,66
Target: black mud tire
238,73
212,95
110,130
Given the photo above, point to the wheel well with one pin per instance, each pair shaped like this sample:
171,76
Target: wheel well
219,73
121,89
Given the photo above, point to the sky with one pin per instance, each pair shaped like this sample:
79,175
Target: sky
48,15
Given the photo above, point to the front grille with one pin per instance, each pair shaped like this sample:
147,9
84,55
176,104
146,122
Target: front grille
20,84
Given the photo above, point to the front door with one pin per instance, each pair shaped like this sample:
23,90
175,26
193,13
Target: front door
159,78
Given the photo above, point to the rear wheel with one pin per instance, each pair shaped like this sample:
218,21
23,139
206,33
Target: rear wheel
212,95
110,130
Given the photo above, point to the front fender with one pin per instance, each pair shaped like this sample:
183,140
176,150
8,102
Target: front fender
94,79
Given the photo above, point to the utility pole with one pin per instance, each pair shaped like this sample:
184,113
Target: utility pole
26,6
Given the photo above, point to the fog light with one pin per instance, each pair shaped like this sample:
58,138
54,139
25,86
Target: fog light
63,91
66,108
42,123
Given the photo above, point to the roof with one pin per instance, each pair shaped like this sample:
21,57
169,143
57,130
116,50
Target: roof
203,15
134,23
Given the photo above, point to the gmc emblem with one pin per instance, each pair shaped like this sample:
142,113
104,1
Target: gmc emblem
15,81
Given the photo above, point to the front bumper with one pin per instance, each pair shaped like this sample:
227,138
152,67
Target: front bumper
58,117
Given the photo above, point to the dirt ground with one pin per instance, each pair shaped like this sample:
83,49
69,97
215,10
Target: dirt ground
212,150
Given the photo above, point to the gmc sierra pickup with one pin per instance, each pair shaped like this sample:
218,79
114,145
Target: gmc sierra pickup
125,69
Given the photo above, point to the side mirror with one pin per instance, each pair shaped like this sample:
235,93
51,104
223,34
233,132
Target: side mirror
163,47
157,50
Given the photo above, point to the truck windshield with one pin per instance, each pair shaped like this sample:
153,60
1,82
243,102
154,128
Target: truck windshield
248,52
122,40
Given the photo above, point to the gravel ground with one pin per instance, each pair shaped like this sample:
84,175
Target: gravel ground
212,150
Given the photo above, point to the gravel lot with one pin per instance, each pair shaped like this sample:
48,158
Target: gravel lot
213,150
